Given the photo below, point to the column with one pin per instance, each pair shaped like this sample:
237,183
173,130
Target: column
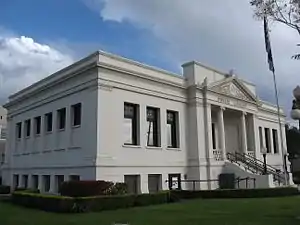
52,184
221,129
256,138
30,181
244,132
40,183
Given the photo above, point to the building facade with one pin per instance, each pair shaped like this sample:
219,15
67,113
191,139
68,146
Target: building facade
2,138
110,118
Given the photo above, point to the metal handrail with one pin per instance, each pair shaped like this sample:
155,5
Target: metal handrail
254,165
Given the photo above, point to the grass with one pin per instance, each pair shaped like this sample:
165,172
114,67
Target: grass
273,211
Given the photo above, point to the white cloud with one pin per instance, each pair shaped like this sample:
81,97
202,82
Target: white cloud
24,61
222,34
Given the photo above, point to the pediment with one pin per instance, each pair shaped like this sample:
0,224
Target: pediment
234,88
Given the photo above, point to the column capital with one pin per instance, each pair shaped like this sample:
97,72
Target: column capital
244,113
222,108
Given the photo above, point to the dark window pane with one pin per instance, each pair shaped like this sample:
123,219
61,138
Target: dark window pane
261,138
49,119
37,125
267,134
19,130
27,127
275,140
61,118
213,129
76,109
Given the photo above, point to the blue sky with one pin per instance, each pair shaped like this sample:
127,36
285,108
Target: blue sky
74,24
38,37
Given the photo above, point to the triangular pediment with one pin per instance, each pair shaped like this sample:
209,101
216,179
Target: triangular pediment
234,88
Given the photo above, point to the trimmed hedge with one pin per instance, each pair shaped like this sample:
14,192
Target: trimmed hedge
235,193
87,204
91,188
4,189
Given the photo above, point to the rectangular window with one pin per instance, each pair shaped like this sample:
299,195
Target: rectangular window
35,182
130,124
15,181
27,127
61,118
59,179
154,183
172,129
19,130
133,183
76,115
174,181
48,121
213,131
153,138
261,138
37,125
275,140
267,136
46,182
25,181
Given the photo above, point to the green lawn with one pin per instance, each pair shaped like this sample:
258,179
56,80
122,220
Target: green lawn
229,211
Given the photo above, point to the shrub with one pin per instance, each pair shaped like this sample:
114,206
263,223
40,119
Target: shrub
28,190
86,204
4,189
118,189
236,193
152,199
85,188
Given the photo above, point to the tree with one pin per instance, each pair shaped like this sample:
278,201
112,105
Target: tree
293,141
286,12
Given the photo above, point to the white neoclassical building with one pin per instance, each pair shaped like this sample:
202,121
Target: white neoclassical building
110,118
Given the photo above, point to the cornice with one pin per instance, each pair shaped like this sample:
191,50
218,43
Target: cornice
142,75
48,86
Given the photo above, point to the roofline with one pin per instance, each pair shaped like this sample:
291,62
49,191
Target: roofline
54,74
214,70
140,64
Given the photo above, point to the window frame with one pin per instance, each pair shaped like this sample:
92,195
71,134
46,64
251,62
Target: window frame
134,123
47,116
61,117
19,130
27,128
156,127
275,141
174,124
73,107
37,125
268,140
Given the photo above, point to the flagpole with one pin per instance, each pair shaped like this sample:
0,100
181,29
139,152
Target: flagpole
271,68
280,129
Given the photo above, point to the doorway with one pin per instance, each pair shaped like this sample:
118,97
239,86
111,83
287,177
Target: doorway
232,139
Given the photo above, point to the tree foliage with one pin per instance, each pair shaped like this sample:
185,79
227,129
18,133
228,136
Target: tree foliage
286,12
293,141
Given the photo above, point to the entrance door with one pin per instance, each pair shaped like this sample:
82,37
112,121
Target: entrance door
232,138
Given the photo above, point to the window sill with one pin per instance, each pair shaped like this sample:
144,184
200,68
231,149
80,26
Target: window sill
153,148
27,137
173,149
35,153
61,130
48,132
75,127
74,148
37,135
59,150
46,151
131,146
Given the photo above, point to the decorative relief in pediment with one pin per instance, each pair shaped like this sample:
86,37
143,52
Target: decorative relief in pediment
232,90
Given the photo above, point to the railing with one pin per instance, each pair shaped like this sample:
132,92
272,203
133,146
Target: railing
212,182
255,165
246,180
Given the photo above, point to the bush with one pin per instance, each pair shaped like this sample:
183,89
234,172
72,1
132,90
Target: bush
28,190
236,193
86,204
152,199
118,189
4,189
85,188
